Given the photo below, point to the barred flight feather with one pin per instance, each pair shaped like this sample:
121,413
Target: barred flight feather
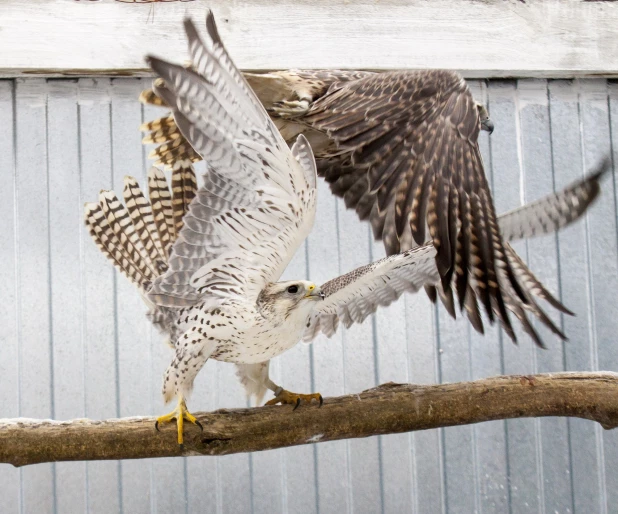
184,188
161,205
110,246
129,235
143,221
120,222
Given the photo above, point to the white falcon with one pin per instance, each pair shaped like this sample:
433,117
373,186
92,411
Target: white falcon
207,260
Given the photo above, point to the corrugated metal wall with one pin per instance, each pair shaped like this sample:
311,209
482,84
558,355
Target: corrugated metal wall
75,343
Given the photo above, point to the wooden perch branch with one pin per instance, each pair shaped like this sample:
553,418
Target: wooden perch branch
389,408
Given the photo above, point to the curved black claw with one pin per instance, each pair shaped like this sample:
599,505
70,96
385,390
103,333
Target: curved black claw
199,425
321,401
157,426
297,404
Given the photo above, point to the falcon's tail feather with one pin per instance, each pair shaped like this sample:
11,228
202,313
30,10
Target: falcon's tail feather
161,204
137,237
184,189
173,150
110,245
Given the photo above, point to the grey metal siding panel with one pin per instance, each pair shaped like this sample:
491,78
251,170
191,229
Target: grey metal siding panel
10,479
574,279
332,458
75,341
66,279
521,435
33,275
603,270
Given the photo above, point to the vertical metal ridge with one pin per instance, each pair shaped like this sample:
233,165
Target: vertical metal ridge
50,312
591,312
612,152
251,482
17,278
344,351
313,386
522,185
411,441
115,310
151,331
489,172
376,376
482,85
284,489
441,431
475,455
497,91
535,364
560,296
82,271
219,496
615,193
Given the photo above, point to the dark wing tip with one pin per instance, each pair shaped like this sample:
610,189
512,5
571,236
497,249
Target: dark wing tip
211,27
163,69
432,293
190,28
562,308
601,169
155,63
594,177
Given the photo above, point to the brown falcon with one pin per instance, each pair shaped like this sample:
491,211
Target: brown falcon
207,259
401,148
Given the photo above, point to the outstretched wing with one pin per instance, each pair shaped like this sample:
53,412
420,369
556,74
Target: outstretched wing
257,203
354,296
351,298
408,157
556,210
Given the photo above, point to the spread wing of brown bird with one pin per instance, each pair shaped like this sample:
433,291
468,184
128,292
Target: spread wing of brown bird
401,148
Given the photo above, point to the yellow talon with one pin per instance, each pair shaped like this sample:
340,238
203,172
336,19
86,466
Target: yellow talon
180,413
282,396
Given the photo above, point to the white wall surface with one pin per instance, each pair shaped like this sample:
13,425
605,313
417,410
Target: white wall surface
499,38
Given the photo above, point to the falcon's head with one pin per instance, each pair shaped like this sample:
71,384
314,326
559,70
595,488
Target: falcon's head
285,298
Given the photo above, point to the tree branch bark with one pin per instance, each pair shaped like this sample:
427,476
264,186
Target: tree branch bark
389,408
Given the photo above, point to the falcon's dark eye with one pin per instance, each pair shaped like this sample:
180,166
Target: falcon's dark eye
293,289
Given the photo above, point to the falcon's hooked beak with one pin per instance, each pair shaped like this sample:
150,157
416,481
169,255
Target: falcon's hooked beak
487,125
315,293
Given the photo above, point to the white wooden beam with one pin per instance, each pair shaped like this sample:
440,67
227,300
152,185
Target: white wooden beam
540,38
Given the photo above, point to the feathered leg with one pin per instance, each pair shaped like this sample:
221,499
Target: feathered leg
256,380
192,352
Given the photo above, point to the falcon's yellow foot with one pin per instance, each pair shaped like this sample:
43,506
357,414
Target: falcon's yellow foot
180,414
282,396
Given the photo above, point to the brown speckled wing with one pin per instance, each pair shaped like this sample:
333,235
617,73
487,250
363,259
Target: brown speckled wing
271,88
409,159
